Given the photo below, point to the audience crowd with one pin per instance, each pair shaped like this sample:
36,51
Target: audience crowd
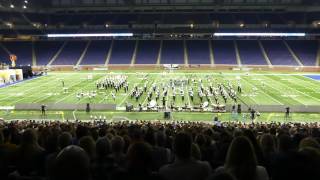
158,150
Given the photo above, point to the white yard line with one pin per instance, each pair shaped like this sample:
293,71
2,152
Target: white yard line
304,81
59,91
128,93
39,92
297,90
90,83
28,89
21,82
261,90
105,98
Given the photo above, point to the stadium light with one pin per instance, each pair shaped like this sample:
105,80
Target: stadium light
11,6
262,34
91,35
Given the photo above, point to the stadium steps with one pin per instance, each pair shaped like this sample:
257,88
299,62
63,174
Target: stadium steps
318,55
57,54
185,53
295,57
83,53
211,53
5,49
264,53
34,57
109,53
160,52
237,53
134,55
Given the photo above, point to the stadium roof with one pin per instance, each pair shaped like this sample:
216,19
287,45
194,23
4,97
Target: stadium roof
158,5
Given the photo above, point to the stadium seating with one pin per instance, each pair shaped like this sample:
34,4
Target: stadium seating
122,52
305,50
71,53
4,56
278,53
97,53
250,53
22,49
198,52
172,52
45,51
224,52
147,52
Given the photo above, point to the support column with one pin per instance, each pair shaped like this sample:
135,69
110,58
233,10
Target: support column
83,53
109,53
264,54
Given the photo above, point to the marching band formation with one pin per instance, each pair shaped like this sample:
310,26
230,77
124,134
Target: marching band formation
190,92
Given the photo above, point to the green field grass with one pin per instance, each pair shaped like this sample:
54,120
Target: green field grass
259,88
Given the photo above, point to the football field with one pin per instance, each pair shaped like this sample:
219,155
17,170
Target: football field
258,88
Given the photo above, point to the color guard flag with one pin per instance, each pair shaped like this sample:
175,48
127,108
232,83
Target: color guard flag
13,59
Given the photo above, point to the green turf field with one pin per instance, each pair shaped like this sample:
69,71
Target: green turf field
258,88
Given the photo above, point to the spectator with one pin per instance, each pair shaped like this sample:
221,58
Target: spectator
241,161
71,163
117,145
309,142
88,144
184,166
103,165
64,140
160,154
139,163
29,156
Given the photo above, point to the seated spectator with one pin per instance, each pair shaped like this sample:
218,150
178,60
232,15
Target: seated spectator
184,166
71,163
64,140
268,147
221,176
160,154
29,155
103,165
88,144
241,161
117,145
309,142
139,163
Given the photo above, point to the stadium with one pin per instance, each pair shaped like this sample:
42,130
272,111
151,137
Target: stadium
159,89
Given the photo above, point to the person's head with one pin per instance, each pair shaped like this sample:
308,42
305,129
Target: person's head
309,142
195,152
267,143
285,144
160,138
182,146
29,137
71,163
117,144
200,140
88,144
241,160
64,140
1,138
51,143
139,157
102,147
6,134
221,176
